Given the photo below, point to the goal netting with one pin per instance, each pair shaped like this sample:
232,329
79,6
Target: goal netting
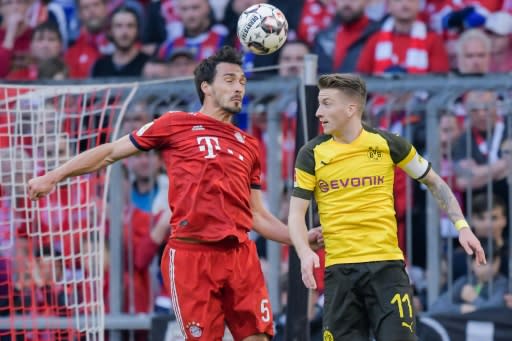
51,251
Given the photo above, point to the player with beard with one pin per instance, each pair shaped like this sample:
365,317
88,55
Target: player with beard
127,59
210,265
338,46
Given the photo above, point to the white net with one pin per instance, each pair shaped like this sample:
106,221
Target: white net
51,251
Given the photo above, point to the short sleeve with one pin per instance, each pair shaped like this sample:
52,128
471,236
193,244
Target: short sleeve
153,135
304,178
405,156
256,174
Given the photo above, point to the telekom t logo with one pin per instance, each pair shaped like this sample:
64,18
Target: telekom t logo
209,144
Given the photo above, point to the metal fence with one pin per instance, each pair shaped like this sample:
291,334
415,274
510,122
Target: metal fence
414,105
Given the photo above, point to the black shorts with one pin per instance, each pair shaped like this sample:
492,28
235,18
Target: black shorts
372,296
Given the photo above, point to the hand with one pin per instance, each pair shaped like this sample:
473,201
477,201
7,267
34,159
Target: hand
468,293
308,261
316,238
471,244
13,22
467,308
40,186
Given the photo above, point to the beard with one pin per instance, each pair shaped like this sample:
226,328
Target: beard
232,109
348,16
95,25
125,46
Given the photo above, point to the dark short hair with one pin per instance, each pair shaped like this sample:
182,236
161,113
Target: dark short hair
47,26
480,204
126,9
207,69
350,84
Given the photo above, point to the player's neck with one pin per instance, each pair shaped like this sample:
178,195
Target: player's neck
350,132
216,113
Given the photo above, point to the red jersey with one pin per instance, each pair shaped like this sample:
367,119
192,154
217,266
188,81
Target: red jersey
212,167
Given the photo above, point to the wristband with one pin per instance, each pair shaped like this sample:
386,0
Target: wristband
460,224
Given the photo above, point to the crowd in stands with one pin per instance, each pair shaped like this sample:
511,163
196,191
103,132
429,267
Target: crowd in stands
83,39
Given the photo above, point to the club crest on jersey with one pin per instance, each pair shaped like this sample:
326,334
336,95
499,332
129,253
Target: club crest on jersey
374,153
195,329
145,127
239,137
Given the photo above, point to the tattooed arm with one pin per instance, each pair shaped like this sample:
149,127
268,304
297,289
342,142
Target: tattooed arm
447,202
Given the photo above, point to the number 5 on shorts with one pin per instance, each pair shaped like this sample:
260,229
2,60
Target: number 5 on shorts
265,310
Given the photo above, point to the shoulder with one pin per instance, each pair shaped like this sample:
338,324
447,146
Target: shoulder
306,156
399,147
313,143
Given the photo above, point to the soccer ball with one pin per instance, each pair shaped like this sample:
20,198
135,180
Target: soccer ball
262,28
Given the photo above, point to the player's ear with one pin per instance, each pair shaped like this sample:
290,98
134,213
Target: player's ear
205,87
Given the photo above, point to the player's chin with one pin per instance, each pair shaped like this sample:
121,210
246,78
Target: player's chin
233,109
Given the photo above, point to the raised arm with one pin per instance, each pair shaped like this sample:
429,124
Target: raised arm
447,202
86,162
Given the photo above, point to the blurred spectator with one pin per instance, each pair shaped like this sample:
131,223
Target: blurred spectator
508,300
149,190
449,132
182,63
15,35
163,23
489,220
143,235
473,53
46,44
156,68
470,293
291,54
136,116
93,40
200,32
127,59
404,45
482,162
53,68
61,13
499,27
315,16
339,46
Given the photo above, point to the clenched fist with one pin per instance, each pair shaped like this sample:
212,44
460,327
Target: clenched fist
40,186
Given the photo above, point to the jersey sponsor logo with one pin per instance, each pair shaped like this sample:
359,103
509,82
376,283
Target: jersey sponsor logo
374,153
197,127
326,186
195,329
145,127
209,144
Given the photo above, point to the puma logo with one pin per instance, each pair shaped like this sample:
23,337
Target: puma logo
407,325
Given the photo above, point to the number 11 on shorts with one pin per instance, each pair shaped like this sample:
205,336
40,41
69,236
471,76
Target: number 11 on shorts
399,300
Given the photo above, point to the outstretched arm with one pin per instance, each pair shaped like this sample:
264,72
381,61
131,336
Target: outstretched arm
86,162
447,202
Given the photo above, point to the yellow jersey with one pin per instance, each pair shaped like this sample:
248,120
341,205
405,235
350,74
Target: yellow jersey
353,187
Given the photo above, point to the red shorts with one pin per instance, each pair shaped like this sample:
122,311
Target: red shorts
216,285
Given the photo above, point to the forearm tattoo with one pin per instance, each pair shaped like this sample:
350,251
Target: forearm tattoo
445,198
